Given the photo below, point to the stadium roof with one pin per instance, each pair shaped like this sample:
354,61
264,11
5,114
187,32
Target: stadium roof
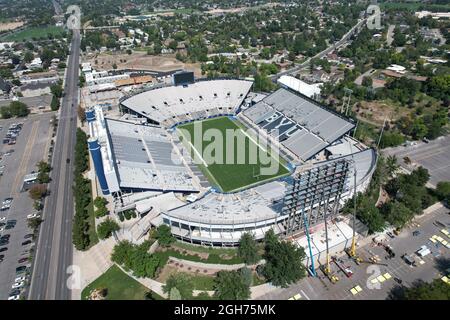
145,158
309,90
167,103
300,124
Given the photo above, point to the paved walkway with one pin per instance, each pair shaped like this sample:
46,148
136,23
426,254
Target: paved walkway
92,264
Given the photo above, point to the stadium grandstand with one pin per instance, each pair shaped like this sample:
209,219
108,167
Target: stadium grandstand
138,158
172,105
142,153
300,124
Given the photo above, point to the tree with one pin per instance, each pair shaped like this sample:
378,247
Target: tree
106,228
37,191
34,223
396,213
283,261
81,114
164,235
367,82
100,204
420,176
182,282
18,109
230,285
54,104
420,290
443,191
391,165
135,258
57,90
174,294
248,249
122,253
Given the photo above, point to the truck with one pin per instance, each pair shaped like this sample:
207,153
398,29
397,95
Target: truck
423,251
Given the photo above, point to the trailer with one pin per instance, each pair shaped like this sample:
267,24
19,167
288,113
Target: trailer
346,270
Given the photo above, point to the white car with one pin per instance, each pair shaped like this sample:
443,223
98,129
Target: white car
16,297
7,201
2,219
17,285
20,279
2,228
33,215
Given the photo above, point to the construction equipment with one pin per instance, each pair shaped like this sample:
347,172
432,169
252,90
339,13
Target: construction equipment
332,277
352,250
346,270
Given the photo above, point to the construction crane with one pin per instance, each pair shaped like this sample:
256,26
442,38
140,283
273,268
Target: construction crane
327,268
352,251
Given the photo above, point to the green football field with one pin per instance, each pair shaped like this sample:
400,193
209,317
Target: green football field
227,169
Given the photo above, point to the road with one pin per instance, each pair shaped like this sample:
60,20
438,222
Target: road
323,53
390,34
54,248
432,268
433,156
30,148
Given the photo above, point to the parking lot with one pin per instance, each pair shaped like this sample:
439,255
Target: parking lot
30,148
374,282
433,156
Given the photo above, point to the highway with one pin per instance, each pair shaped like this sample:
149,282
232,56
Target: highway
54,248
320,55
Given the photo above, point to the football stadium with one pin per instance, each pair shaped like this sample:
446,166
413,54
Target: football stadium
212,159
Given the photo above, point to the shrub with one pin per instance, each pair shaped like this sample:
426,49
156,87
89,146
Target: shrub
106,228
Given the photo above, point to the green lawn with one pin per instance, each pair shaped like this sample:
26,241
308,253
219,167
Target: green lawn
33,33
228,172
120,286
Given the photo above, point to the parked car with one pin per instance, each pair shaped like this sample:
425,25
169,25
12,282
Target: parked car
3,249
28,236
2,219
416,233
26,242
33,216
18,284
22,260
7,201
20,279
390,235
21,268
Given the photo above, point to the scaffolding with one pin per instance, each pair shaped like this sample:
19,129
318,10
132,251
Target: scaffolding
315,192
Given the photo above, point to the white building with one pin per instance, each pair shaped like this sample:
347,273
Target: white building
35,64
101,77
397,68
86,67
309,90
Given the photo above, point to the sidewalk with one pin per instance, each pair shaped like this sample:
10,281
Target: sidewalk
92,263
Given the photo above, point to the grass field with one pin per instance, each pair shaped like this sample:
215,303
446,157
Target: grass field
226,172
119,285
33,33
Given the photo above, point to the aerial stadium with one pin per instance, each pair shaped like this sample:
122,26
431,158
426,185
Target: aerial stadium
297,161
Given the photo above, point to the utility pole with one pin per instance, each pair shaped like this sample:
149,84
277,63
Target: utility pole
381,133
